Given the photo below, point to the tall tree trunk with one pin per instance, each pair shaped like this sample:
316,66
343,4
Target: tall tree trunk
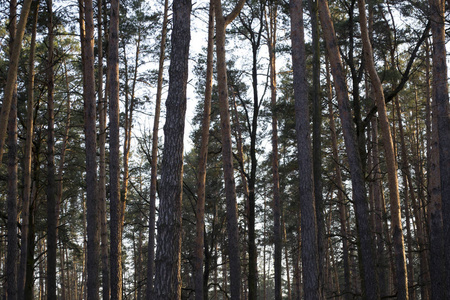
230,188
12,73
200,293
441,98
27,163
90,115
168,252
51,182
154,162
102,108
306,187
317,144
368,271
277,233
394,197
114,160
340,193
11,256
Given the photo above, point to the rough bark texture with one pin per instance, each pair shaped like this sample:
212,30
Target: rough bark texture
154,163
168,251
441,99
93,245
230,187
368,274
114,159
200,293
394,197
27,163
51,182
309,248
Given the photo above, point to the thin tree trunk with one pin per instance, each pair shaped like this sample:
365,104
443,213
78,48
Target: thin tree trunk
90,114
368,271
27,163
200,293
306,184
394,197
114,160
317,145
232,214
12,248
441,99
168,252
340,193
277,233
102,108
51,193
154,162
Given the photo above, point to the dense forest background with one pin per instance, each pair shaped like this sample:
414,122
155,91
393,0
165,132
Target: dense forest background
251,149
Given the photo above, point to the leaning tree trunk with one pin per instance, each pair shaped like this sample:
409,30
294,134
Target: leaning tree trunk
200,293
230,188
12,73
27,163
368,271
394,197
168,251
308,220
154,162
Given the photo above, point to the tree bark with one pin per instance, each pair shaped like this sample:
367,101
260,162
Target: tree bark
114,159
27,162
12,248
394,197
306,187
441,99
368,272
12,73
154,162
90,114
51,182
168,252
340,193
230,188
277,233
200,293
102,108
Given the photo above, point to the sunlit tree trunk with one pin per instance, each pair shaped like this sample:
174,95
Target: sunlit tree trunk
230,188
368,271
200,293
